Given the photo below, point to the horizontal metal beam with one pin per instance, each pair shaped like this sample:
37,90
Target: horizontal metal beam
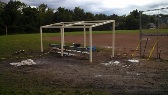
77,27
65,27
78,24
51,26
69,25
99,24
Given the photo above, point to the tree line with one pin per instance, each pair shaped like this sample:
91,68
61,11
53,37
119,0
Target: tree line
16,17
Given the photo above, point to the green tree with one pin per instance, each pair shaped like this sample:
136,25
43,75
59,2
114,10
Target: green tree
42,8
132,20
79,14
45,15
120,24
29,19
63,14
101,16
12,15
89,16
41,14
2,24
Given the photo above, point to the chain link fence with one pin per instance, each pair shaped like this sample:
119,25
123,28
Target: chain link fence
154,34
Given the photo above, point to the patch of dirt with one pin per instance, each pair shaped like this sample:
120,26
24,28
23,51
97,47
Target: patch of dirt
145,77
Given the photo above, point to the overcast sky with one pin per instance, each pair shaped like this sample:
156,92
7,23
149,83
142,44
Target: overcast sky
108,7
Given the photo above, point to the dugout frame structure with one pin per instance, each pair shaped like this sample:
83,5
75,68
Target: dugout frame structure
80,24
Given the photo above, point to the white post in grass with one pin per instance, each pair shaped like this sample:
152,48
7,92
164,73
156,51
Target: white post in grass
41,35
113,40
90,34
84,37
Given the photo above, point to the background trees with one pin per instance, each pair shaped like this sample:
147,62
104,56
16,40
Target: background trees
12,14
63,14
2,23
132,20
22,18
29,20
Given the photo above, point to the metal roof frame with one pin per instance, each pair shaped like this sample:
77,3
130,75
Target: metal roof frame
80,24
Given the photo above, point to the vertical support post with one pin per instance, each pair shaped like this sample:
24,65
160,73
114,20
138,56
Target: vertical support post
84,37
62,42
90,36
41,36
113,39
63,36
140,33
157,35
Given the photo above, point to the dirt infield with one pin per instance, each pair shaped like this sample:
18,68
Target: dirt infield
124,43
102,40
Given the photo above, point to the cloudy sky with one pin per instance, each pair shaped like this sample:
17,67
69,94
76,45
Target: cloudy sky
108,7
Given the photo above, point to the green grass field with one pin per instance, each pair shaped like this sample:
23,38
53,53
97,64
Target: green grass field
154,31
31,42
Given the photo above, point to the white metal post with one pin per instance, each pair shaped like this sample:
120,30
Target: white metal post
113,41
41,36
90,34
63,38
62,42
84,37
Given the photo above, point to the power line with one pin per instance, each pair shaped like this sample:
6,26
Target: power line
155,9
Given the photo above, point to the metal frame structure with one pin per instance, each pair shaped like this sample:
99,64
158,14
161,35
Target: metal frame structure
84,25
141,34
